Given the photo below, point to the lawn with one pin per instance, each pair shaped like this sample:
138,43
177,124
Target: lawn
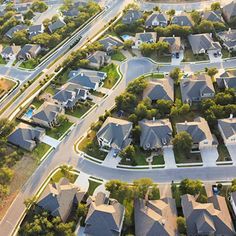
29,64
50,89
37,103
90,146
223,153
158,160
225,53
118,56
97,93
2,61
192,158
5,86
189,56
59,174
40,150
162,58
58,131
112,75
80,109
92,186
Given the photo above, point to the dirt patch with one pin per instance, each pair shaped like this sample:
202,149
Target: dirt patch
5,86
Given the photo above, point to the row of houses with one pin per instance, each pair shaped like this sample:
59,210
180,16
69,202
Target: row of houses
151,217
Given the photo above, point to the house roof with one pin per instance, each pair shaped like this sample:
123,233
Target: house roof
214,16
157,217
115,131
207,218
156,16
155,133
194,86
146,37
56,25
25,136
228,37
198,130
29,48
35,30
229,10
15,29
104,219
97,56
174,43
227,127
11,50
182,20
73,12
199,42
110,42
131,16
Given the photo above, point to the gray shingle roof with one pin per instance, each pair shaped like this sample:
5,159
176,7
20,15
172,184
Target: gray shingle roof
228,37
131,16
31,49
174,43
97,57
110,42
15,29
146,37
11,50
182,20
227,127
214,16
155,133
229,11
156,16
35,30
56,25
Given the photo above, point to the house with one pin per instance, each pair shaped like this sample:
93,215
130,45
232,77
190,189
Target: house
155,217
229,11
146,37
26,137
15,29
110,43
213,16
19,17
227,80
175,46
88,79
29,51
47,115
196,88
156,19
160,89
105,217
69,95
22,8
35,30
98,59
182,20
232,200
227,128
131,16
59,198
56,25
228,38
115,133
155,134
10,52
72,12
203,43
199,131
210,218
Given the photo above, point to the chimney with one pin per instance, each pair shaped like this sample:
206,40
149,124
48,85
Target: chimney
186,122
229,31
153,118
82,74
231,116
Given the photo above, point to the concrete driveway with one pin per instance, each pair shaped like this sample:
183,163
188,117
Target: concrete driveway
209,156
176,61
50,141
169,158
82,181
110,160
213,58
232,151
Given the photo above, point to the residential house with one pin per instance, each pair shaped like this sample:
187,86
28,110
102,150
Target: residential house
196,88
115,133
155,134
15,29
98,59
227,128
110,43
175,46
157,19
29,51
47,115
26,137
105,217
59,198
203,43
227,80
10,52
69,94
22,8
213,16
72,12
229,11
88,79
19,17
35,30
232,200
182,20
131,16
228,38
199,131
146,37
56,25
160,89
155,217
210,218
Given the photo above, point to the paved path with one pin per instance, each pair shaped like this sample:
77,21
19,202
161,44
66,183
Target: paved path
209,156
169,158
111,161
165,190
82,181
50,141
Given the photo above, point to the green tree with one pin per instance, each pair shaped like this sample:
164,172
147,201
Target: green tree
189,186
128,153
215,6
196,17
29,15
181,225
175,74
20,37
212,71
128,44
206,27
39,6
164,106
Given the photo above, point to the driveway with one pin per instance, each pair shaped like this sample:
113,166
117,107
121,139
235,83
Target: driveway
111,161
82,181
50,141
232,151
169,158
176,61
165,190
209,156
213,58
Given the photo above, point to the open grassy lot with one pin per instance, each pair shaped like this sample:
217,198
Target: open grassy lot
5,86
162,58
118,56
112,75
92,186
80,109
40,150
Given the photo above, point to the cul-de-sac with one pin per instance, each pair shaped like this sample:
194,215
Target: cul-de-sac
118,117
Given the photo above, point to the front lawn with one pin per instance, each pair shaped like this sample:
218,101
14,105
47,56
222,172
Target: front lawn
97,93
2,61
37,103
158,160
118,56
190,57
223,153
92,186
112,75
80,109
29,64
60,174
40,150
162,58
192,158
89,145
58,131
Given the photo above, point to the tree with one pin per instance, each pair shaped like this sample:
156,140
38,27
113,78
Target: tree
136,132
29,15
206,27
212,71
189,186
183,142
39,6
175,73
20,37
171,13
126,102
66,170
6,175
82,212
137,86
29,202
215,6
128,153
181,225
164,106
128,44
196,17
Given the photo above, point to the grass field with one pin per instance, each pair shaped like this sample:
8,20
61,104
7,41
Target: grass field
112,75
5,86
92,186
118,56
